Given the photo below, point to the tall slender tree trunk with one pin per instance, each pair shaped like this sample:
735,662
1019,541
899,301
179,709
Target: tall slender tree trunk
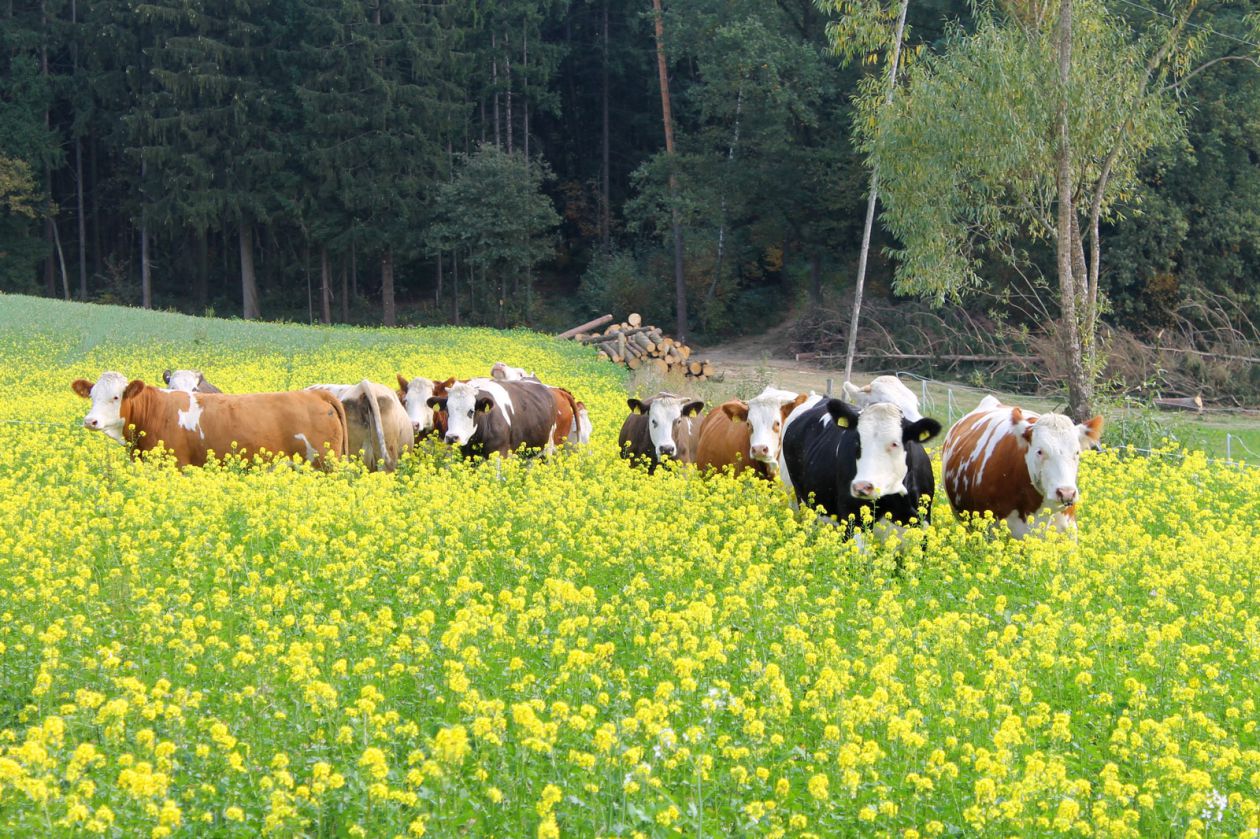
455,286
146,264
203,271
730,158
494,85
1080,384
50,229
82,216
345,292
605,210
525,89
871,198
507,79
437,291
96,209
387,288
249,280
325,286
681,328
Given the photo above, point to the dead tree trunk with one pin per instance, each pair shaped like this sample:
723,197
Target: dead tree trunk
681,328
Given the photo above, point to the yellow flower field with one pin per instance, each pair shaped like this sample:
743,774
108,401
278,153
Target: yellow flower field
574,648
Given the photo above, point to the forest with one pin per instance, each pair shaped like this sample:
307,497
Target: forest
704,162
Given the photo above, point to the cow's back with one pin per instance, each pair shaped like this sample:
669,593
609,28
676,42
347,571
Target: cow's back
723,441
983,466
302,423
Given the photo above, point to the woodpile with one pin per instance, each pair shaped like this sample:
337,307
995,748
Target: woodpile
638,347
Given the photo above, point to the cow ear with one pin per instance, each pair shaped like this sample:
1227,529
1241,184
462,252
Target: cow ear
635,405
736,411
133,389
789,407
166,375
845,415
920,431
1091,432
484,404
449,383
402,383
437,403
693,408
1017,416
82,387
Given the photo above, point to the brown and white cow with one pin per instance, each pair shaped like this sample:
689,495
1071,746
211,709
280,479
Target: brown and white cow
486,416
503,372
1017,465
650,433
309,424
414,394
888,389
580,433
747,435
189,381
376,423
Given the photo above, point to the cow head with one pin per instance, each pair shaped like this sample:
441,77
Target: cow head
415,395
1054,444
662,411
107,395
462,403
883,435
503,373
189,381
884,389
766,414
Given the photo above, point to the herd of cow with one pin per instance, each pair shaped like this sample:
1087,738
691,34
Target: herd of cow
863,452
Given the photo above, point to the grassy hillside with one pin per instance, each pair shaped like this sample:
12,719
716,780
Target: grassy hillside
573,647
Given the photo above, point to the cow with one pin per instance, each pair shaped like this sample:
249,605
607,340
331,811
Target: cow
500,371
580,433
746,435
884,389
1017,465
649,433
414,394
189,381
847,461
486,416
192,426
376,423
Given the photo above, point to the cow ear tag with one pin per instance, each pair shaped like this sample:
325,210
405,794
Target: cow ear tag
924,435
486,409
843,422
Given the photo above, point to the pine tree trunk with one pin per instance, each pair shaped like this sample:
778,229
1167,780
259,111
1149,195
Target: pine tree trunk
455,286
494,85
203,271
605,210
525,89
1080,385
437,292
325,286
79,206
507,76
146,266
249,281
387,288
345,292
681,328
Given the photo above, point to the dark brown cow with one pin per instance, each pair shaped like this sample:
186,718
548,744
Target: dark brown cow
309,424
486,416
650,432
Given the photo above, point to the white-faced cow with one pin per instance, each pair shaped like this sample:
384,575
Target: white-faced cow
376,423
189,381
486,416
650,433
309,424
414,394
1017,465
884,389
846,461
746,435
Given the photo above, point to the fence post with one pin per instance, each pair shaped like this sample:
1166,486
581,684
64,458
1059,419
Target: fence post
828,386
923,390
1229,457
949,400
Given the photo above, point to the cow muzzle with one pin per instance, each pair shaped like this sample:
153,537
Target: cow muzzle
863,489
453,439
92,422
760,453
1065,496
665,451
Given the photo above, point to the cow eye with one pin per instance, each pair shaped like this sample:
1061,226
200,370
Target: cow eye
893,445
1041,453
470,413
654,423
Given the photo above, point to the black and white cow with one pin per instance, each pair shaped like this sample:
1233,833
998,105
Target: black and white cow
846,461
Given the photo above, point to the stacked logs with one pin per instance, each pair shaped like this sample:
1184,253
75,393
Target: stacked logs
639,347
